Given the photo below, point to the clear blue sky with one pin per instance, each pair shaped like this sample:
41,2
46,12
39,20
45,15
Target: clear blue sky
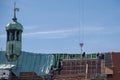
58,26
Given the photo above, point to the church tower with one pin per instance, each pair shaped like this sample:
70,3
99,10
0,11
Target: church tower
14,38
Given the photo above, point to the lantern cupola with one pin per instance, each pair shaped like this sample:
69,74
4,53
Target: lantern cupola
14,38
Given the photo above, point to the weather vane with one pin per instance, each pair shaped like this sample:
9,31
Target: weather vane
15,9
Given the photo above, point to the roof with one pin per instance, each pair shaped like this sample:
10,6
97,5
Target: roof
30,62
39,63
14,25
6,66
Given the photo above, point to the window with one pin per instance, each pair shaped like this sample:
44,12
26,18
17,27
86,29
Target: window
17,36
8,35
12,36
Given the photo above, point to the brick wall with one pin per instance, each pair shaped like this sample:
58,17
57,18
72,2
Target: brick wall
115,56
27,76
76,69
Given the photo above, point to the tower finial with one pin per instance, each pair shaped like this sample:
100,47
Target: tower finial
15,9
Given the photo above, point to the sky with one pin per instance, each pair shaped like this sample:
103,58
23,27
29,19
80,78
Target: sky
59,26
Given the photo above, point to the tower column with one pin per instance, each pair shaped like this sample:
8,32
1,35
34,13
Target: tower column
15,35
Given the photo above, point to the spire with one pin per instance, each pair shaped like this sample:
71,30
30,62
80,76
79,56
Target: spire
15,9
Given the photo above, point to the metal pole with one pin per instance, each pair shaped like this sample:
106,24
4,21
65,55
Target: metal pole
86,71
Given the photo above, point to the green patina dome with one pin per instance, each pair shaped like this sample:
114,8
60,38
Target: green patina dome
14,25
